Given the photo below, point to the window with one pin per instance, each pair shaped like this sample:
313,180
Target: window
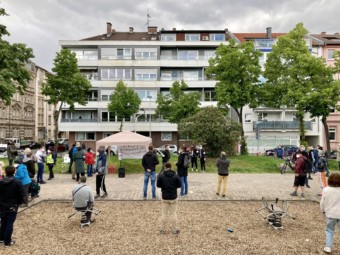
247,118
49,120
209,54
217,37
166,136
145,53
262,116
188,55
86,54
106,95
116,53
92,95
145,74
82,136
330,54
116,74
168,37
192,37
145,95
332,134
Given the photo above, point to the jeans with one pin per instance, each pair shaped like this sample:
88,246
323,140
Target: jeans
40,172
8,217
10,162
330,225
147,176
184,185
89,170
70,166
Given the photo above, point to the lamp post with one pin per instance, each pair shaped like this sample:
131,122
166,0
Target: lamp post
136,117
149,98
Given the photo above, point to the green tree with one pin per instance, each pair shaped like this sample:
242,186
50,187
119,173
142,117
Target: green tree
291,74
178,104
67,86
124,102
13,58
212,128
237,70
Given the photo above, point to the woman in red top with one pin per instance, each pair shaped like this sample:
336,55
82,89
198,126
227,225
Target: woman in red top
89,161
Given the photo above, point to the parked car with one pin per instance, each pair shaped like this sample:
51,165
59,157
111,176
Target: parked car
172,147
3,154
288,150
333,154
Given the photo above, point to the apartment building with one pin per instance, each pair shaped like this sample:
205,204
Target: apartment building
267,127
28,114
326,44
149,62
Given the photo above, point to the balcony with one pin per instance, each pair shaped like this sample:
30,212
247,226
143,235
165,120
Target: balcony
280,125
79,120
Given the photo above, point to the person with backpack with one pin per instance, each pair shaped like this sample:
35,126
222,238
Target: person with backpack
322,170
182,169
149,162
300,175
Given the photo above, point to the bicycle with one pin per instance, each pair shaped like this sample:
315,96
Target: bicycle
289,163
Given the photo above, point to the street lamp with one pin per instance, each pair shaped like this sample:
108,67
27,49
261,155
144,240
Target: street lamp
136,117
149,98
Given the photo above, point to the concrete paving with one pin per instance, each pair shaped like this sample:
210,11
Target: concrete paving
202,186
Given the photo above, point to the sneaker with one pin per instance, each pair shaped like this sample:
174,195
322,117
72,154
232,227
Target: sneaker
162,232
1,241
154,198
217,194
144,198
310,178
23,205
302,194
223,195
35,196
42,182
294,194
97,196
327,249
176,232
104,195
308,186
10,244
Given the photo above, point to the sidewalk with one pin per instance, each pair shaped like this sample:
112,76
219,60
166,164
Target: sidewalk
202,186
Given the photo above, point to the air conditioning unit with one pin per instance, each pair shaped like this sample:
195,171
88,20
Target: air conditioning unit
205,38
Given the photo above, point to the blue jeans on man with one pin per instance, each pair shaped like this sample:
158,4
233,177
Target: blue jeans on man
8,217
149,175
89,170
40,172
184,185
330,225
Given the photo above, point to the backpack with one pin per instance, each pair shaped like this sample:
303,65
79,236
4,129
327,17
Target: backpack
308,166
186,161
321,164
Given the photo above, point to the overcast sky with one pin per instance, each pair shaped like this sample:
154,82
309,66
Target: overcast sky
42,23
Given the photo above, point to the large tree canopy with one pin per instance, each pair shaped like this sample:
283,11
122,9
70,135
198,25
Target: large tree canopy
68,85
237,70
13,58
210,127
124,102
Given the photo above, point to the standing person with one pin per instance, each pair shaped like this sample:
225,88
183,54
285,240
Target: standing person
322,170
303,152
223,171
300,175
51,160
193,156
11,152
182,170
149,162
166,156
101,171
330,205
78,159
169,182
201,155
11,196
21,174
29,162
338,156
315,159
40,156
279,152
89,161
74,150
70,154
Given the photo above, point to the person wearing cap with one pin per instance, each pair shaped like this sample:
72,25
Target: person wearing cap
169,182
40,156
101,171
21,174
83,199
11,196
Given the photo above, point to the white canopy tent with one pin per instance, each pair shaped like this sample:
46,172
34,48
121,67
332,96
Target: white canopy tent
130,145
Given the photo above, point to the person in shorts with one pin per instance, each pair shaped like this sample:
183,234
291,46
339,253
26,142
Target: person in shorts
300,175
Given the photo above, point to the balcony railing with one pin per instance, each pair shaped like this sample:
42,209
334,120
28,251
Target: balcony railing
280,125
79,120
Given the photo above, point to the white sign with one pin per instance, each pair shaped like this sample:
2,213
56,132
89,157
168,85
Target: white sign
131,151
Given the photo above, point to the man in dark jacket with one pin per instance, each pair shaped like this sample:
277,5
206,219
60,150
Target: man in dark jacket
11,196
169,182
223,171
300,175
149,162
166,156
182,169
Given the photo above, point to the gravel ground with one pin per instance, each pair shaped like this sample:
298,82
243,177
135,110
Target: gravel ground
132,227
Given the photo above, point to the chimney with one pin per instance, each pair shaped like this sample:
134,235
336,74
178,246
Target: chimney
174,29
152,30
130,29
108,29
323,33
269,32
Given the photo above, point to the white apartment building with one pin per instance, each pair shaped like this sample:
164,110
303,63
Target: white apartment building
149,62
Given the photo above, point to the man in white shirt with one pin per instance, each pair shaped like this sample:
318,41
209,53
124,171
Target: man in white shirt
40,155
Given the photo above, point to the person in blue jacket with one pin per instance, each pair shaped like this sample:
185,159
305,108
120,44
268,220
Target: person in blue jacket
21,174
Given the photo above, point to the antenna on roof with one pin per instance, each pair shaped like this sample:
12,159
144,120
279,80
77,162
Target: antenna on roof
147,18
